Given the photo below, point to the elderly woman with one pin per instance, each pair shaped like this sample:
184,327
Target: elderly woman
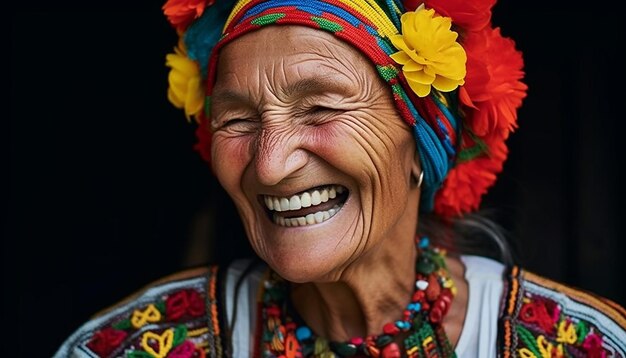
355,138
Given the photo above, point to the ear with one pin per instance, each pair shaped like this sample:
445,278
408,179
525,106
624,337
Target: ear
417,174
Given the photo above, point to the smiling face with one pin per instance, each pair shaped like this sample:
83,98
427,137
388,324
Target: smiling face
308,144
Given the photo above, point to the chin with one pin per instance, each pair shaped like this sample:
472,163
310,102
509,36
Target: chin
309,236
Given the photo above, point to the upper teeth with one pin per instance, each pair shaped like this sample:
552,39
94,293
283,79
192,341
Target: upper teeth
304,200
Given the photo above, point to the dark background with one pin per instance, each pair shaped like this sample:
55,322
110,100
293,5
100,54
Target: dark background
105,193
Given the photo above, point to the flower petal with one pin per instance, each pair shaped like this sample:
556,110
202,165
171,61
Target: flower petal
420,77
445,84
414,66
180,13
401,57
194,100
420,89
185,82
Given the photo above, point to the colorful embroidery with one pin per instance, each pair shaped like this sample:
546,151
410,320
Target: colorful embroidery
542,318
215,343
173,324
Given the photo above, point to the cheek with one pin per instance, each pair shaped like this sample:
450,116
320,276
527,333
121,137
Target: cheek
340,142
230,157
365,151
377,156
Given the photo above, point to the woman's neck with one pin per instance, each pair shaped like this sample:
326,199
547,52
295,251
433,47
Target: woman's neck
368,294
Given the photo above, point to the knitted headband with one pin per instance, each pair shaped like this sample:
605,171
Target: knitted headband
455,80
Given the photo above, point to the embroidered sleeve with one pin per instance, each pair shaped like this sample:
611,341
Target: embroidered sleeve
173,319
542,318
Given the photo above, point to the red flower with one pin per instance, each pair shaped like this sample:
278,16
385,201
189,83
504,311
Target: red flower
184,302
184,350
492,93
181,13
493,89
469,15
468,181
106,340
593,345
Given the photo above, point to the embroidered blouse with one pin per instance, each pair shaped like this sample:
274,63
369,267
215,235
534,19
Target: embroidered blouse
511,313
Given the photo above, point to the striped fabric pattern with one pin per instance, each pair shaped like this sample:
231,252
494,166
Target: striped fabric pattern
367,25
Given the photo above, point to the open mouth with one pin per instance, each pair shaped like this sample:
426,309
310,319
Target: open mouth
313,206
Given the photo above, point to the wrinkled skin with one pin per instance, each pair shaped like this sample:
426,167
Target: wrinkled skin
294,108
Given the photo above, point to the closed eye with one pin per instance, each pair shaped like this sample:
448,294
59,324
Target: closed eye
320,109
240,125
318,115
235,121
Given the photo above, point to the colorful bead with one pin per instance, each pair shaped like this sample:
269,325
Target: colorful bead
421,285
344,349
391,329
435,315
425,266
282,337
357,341
415,307
303,333
391,351
291,346
434,289
403,325
383,340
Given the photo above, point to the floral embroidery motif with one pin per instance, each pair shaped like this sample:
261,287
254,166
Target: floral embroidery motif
536,326
106,340
150,315
185,302
175,329
547,332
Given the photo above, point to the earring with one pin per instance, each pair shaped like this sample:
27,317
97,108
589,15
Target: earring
419,181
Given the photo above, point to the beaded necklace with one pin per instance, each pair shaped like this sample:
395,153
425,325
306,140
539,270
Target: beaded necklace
282,334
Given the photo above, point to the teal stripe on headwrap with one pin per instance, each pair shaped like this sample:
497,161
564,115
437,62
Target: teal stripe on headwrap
434,160
205,32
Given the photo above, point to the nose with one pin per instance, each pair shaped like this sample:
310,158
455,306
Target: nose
278,155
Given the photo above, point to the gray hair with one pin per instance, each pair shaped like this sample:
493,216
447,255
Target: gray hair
471,234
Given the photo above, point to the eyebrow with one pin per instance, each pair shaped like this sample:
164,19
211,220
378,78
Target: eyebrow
314,84
228,96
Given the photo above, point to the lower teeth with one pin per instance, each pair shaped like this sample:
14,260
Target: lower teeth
317,218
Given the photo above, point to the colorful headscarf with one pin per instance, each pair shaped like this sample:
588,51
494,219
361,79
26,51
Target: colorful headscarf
455,80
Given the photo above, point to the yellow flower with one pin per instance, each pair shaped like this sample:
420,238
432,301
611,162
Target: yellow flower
429,52
185,90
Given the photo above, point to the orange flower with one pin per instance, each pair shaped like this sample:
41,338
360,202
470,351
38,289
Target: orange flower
181,13
468,181
469,15
493,89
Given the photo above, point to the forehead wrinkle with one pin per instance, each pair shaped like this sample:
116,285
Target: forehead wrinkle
349,65
231,88
310,85
277,74
228,96
330,66
342,53
326,75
